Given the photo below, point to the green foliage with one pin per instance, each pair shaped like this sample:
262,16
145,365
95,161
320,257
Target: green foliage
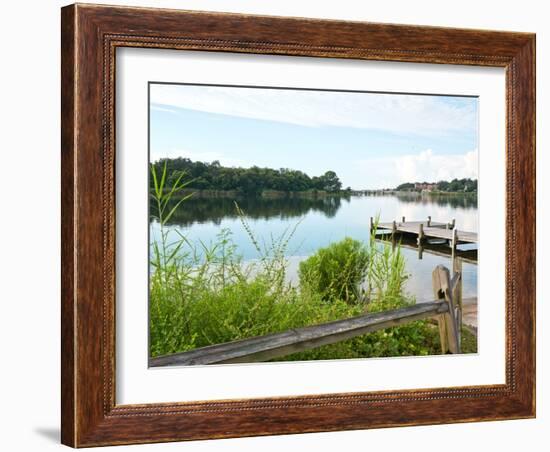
458,185
327,182
469,341
405,186
204,295
352,272
386,274
249,181
465,185
337,271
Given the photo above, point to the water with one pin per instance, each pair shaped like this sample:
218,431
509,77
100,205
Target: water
322,221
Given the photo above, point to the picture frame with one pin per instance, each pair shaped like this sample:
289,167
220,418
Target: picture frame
90,37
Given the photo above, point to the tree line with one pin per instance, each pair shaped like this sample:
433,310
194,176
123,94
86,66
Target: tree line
466,185
249,181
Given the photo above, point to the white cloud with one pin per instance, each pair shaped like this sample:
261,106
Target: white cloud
424,166
417,114
164,109
428,166
198,156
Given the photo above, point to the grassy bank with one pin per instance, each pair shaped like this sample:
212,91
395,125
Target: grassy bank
205,294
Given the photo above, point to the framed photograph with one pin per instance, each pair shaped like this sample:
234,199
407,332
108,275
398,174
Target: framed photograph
281,225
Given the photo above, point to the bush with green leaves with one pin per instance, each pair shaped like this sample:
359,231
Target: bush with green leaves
337,271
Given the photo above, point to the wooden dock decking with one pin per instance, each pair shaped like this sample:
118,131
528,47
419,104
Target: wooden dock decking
428,229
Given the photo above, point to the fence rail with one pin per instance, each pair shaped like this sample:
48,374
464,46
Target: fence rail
263,348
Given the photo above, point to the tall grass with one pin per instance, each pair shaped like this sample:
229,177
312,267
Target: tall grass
385,274
203,294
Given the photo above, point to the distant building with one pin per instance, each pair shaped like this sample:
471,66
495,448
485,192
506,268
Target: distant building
424,186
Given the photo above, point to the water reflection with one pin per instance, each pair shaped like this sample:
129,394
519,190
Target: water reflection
202,210
466,200
455,201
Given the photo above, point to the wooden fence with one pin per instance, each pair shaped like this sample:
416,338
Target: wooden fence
446,308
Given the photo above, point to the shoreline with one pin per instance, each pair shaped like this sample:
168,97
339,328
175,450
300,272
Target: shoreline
309,194
265,194
417,193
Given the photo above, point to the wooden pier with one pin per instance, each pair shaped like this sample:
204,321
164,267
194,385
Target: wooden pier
439,248
427,230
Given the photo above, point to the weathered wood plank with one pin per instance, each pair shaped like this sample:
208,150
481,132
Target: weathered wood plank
436,285
442,290
455,280
263,348
462,236
412,225
430,229
456,294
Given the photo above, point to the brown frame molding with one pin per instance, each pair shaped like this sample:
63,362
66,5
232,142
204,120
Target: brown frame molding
90,34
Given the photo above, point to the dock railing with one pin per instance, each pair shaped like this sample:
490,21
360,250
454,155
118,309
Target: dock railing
446,308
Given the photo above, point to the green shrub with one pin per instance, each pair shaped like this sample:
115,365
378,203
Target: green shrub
337,271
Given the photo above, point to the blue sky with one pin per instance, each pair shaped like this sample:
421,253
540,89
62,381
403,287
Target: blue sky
371,140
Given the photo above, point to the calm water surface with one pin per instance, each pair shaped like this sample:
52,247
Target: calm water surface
322,221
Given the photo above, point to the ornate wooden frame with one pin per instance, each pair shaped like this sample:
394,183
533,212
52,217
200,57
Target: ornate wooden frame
90,35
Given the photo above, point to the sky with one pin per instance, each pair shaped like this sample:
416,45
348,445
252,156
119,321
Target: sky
371,140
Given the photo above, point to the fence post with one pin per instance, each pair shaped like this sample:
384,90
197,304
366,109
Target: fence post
457,296
448,331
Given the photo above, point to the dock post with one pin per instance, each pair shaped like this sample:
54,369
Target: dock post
393,232
429,221
453,223
454,242
402,219
371,224
420,233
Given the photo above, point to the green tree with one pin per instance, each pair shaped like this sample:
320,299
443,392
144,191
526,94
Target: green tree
329,182
405,187
249,181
